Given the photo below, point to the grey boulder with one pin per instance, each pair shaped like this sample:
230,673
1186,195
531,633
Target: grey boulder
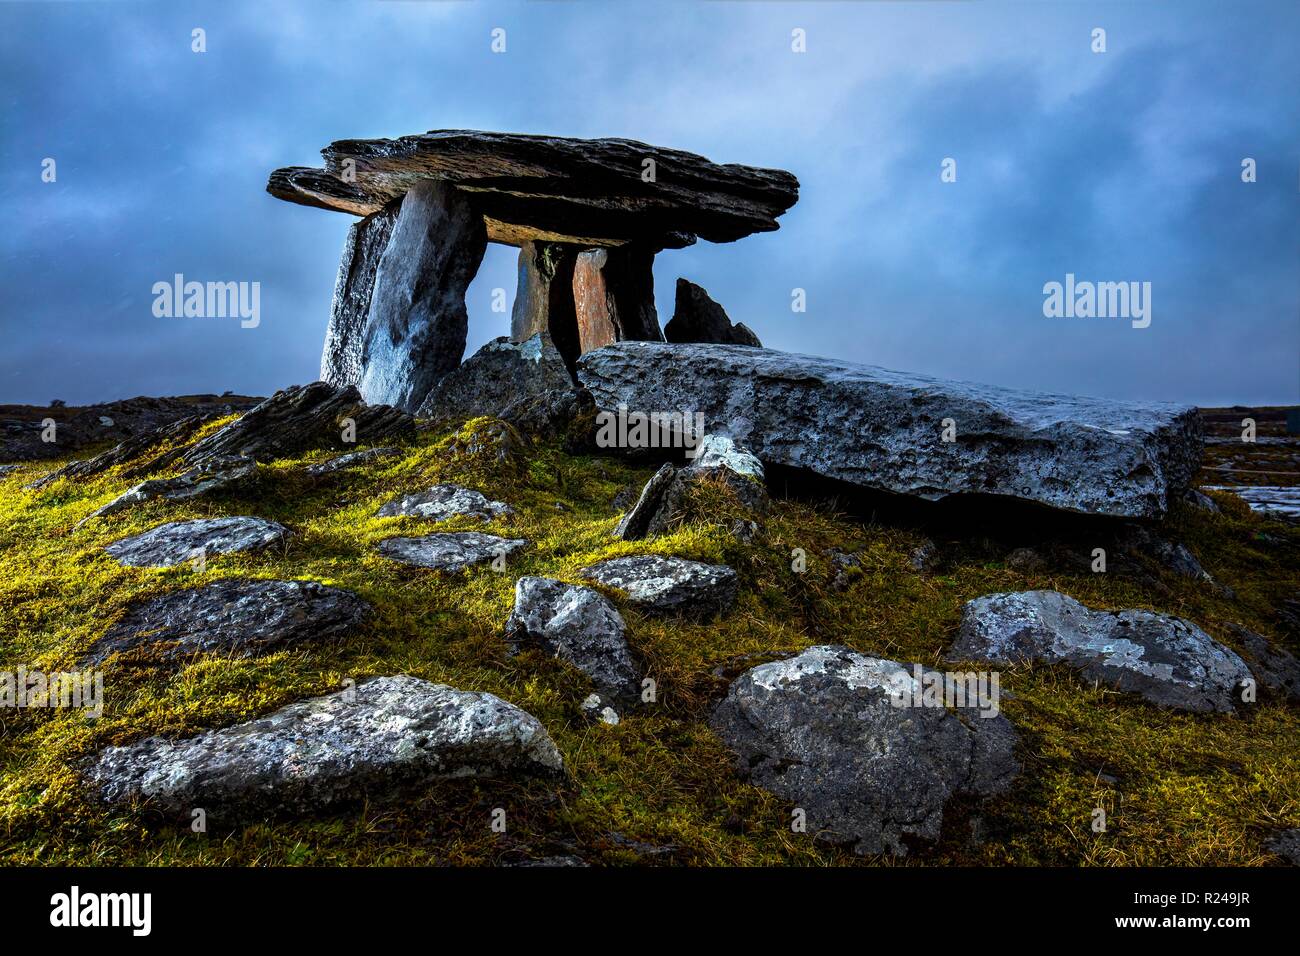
449,552
237,617
445,501
179,541
385,737
825,731
1277,669
1168,661
884,430
665,586
578,625
499,380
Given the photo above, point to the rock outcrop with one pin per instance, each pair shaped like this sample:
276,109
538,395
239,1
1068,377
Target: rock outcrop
384,738
669,586
697,318
179,541
450,552
578,625
236,617
445,501
1166,660
301,418
886,430
499,380
826,731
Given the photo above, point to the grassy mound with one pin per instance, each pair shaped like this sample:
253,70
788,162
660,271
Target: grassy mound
1177,789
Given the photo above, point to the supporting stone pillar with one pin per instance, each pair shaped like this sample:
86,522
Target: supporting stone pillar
614,296
544,298
345,339
417,322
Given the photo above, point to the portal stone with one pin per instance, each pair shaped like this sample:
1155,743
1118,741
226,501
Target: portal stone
614,297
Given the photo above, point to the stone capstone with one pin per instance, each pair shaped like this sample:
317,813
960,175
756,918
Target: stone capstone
383,738
884,430
825,731
589,192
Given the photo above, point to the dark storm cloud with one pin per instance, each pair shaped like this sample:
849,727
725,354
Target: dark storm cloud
1115,166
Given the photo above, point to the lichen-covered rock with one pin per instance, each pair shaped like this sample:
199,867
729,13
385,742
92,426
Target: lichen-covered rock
179,541
212,476
415,330
127,450
299,419
383,738
498,379
825,732
697,318
660,585
578,625
351,460
1285,844
445,501
885,430
450,552
236,616
1168,661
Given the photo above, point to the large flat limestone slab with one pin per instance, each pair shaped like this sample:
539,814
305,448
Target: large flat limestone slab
884,430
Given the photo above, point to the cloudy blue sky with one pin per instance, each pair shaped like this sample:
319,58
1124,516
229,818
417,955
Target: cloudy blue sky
1123,165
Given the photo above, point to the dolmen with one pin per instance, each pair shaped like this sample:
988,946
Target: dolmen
587,215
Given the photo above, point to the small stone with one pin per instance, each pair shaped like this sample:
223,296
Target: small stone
450,552
384,738
179,541
660,585
924,557
235,616
106,421
578,625
1026,561
351,460
1168,661
844,565
445,501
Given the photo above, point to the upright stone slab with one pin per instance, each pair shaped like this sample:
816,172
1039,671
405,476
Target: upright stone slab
345,339
614,297
544,299
416,328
